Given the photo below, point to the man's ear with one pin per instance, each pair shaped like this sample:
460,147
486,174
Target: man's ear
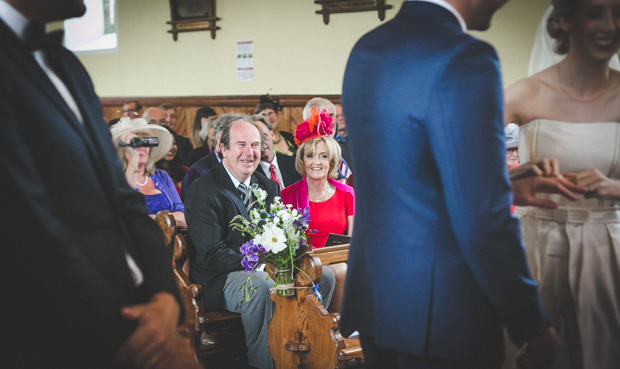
223,150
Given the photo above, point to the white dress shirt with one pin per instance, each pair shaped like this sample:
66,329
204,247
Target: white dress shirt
266,168
449,7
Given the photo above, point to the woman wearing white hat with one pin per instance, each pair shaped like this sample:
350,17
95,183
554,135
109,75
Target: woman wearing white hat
139,166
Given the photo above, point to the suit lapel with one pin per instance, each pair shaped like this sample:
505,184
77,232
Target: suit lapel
33,71
228,187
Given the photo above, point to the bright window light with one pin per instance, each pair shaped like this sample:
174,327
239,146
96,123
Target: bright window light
96,31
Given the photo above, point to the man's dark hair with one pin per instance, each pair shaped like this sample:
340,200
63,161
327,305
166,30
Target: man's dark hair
165,107
138,105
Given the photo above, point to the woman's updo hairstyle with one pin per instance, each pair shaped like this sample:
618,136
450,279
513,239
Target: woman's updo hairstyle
562,9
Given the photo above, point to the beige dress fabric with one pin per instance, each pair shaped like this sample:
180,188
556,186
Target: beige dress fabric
574,251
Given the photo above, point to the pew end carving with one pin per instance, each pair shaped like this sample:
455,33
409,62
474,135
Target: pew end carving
217,337
302,333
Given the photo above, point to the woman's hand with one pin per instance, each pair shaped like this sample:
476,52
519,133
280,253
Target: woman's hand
598,185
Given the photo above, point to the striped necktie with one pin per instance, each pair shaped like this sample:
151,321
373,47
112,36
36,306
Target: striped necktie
242,188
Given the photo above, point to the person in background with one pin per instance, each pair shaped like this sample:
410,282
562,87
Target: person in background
171,114
331,203
158,116
320,104
208,162
284,143
139,166
278,167
511,131
132,109
171,163
341,124
206,137
200,119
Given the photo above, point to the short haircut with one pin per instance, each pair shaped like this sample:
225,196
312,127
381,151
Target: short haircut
265,121
318,103
165,107
225,126
138,105
334,154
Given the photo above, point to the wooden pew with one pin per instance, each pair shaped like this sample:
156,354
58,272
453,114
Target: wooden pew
302,334
217,337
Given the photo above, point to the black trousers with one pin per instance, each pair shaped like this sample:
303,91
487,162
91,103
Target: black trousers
379,357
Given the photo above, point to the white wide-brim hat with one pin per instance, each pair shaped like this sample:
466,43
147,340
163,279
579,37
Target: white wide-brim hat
127,125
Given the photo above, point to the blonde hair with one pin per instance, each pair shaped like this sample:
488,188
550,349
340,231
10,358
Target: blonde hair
333,153
150,164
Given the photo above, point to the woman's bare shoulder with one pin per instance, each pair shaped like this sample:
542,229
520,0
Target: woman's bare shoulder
520,97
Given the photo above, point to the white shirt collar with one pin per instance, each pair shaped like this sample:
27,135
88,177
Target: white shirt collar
14,19
236,181
266,165
448,6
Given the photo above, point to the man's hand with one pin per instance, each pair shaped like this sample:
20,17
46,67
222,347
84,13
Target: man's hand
156,342
525,190
544,349
536,168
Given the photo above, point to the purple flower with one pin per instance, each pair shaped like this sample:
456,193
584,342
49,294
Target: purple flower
253,249
245,248
261,248
247,265
253,258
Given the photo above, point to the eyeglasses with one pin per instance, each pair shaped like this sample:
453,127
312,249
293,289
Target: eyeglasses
512,151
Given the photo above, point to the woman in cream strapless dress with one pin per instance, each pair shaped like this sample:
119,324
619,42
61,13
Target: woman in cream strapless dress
571,112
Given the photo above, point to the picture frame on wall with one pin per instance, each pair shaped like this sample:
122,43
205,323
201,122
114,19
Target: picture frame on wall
191,16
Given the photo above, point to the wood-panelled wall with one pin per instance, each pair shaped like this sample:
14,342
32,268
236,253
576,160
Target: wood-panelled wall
288,118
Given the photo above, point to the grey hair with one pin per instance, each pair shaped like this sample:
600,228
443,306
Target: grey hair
265,121
222,121
320,104
204,131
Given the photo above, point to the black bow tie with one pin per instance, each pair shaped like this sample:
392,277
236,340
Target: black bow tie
35,37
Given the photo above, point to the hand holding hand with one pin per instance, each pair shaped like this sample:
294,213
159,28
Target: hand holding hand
598,185
525,190
535,168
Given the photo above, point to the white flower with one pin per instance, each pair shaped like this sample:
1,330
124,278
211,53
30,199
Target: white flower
259,193
272,239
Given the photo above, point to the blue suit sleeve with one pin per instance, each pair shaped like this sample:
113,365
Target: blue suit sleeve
466,136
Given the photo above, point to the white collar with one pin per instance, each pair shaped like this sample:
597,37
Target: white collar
266,165
13,18
236,181
448,6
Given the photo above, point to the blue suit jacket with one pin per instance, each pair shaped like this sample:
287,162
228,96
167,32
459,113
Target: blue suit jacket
436,265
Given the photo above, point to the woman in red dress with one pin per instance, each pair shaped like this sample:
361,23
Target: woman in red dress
331,203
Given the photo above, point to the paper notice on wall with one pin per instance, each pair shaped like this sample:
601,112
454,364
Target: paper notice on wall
245,60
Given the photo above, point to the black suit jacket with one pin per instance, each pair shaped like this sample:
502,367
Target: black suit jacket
287,168
211,203
68,217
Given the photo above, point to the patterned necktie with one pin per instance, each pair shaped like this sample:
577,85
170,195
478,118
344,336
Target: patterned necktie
273,175
244,195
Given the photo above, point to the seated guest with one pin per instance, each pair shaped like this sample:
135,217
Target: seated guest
283,143
200,119
213,200
206,138
171,114
511,131
331,203
320,104
341,134
157,116
205,164
171,163
278,167
139,166
132,109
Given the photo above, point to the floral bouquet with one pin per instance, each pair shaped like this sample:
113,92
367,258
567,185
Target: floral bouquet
276,234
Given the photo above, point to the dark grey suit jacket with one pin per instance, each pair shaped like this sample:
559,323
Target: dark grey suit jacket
287,168
68,217
211,203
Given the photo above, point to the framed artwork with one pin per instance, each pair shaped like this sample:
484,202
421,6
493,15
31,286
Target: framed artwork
351,6
192,15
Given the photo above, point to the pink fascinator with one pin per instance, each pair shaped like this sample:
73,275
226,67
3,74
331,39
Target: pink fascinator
317,126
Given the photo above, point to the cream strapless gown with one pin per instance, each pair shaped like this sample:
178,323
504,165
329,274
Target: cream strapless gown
574,251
